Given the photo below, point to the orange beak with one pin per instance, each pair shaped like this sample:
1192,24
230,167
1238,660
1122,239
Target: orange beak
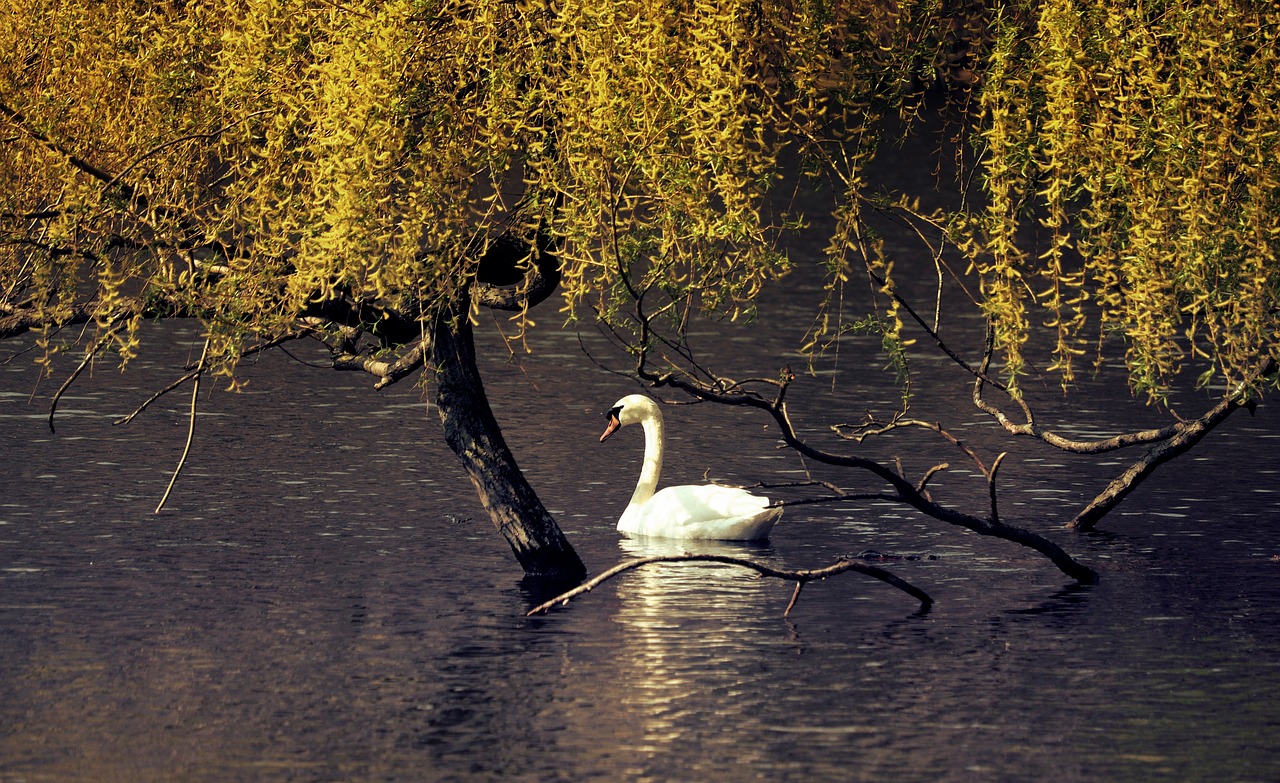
612,427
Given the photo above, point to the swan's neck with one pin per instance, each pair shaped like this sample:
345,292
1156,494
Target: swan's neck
654,433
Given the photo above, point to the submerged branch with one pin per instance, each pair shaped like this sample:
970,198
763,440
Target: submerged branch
904,491
1187,434
799,577
915,495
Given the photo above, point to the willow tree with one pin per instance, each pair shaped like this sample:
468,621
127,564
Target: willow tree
369,174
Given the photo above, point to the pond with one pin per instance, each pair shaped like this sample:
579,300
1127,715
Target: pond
322,598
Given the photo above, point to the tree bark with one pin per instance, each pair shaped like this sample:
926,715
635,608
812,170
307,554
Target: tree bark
472,432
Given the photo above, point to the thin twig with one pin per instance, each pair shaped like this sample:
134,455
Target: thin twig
795,596
267,345
799,577
188,376
174,141
991,485
197,368
904,490
843,498
191,426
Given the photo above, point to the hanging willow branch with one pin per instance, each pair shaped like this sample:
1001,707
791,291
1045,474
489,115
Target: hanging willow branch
88,357
147,403
191,425
801,578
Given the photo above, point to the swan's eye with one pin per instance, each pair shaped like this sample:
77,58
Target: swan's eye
613,413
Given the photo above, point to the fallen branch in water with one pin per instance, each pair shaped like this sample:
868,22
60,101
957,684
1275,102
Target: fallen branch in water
801,578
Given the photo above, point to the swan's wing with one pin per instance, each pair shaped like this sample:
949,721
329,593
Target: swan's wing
702,511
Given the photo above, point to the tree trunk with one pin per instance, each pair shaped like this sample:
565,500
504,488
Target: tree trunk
473,433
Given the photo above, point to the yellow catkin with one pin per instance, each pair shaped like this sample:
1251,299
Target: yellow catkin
1154,136
307,149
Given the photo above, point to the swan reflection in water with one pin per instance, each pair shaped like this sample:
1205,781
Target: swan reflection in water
687,629
703,511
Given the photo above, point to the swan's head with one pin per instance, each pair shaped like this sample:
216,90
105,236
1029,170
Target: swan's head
632,409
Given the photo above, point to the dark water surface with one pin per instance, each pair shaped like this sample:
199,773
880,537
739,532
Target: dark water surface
323,599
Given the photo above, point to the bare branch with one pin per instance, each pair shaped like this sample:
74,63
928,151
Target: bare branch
1187,434
928,474
795,596
20,120
904,490
977,372
843,497
1031,429
183,379
191,428
866,431
799,577
991,484
387,372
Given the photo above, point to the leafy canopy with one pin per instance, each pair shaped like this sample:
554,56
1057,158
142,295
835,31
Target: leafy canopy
1141,142
248,161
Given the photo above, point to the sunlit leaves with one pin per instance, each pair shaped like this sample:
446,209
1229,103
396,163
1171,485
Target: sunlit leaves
1145,137
661,134
311,150
246,159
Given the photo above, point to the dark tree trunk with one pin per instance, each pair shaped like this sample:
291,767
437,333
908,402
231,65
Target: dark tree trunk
473,433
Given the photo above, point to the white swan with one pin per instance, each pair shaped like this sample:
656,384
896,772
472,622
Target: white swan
702,511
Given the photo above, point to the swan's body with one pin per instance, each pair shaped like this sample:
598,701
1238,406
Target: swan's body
692,511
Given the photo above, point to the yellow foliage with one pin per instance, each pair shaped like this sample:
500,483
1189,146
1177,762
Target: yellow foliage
1144,137
245,159
308,149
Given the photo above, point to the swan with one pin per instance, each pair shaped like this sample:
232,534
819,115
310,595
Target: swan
704,511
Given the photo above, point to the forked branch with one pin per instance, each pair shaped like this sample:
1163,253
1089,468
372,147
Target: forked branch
88,358
386,371
915,495
1165,443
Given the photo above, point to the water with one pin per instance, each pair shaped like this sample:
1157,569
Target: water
324,600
